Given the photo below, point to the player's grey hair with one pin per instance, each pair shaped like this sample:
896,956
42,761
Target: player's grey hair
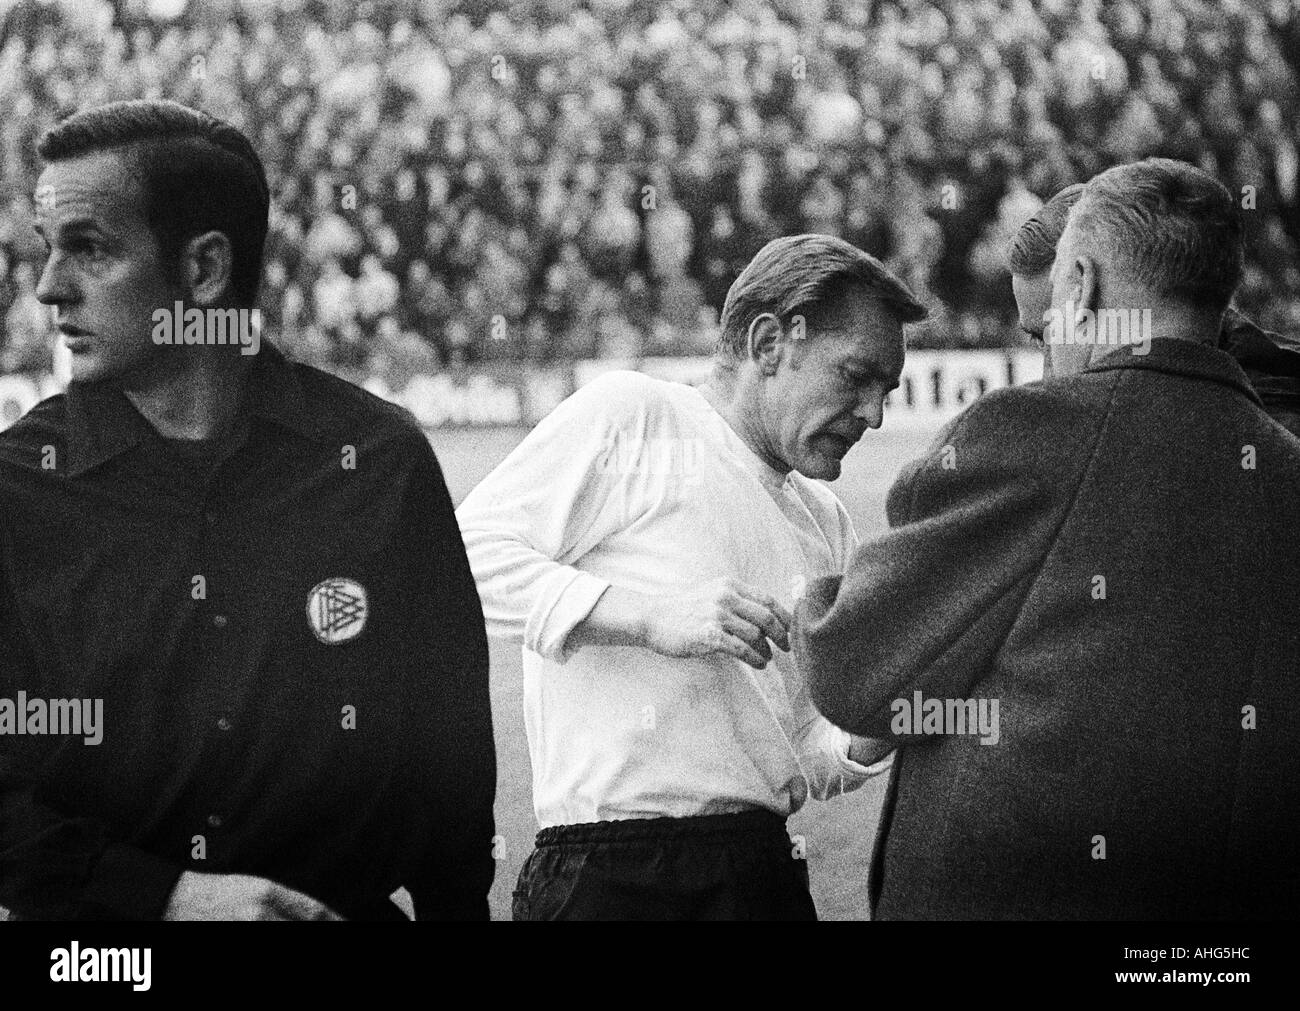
797,274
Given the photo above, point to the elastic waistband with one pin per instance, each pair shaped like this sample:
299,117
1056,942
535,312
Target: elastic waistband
742,824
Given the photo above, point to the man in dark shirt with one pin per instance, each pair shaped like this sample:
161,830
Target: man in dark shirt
250,568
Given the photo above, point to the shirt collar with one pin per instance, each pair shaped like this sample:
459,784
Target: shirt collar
1181,358
276,393
103,423
767,474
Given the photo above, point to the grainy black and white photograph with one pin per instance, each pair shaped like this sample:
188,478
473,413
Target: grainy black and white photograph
649,461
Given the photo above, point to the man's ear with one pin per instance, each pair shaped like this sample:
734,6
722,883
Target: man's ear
207,262
765,343
1086,284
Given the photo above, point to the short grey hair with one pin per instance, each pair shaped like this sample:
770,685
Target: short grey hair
1171,226
798,273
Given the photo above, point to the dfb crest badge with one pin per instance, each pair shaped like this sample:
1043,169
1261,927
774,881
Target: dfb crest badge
336,610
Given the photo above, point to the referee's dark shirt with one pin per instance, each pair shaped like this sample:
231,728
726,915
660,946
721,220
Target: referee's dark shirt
259,720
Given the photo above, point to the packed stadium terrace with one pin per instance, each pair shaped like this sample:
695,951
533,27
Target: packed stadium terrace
455,184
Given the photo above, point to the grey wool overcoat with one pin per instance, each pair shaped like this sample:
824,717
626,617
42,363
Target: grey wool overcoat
1114,558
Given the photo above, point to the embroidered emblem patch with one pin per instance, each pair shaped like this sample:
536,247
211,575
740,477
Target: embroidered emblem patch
336,610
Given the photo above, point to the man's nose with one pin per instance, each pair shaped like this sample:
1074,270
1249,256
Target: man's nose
871,409
53,287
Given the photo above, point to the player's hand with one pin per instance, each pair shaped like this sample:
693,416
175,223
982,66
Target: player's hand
869,750
240,897
720,618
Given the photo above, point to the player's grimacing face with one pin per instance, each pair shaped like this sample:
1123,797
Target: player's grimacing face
104,277
831,386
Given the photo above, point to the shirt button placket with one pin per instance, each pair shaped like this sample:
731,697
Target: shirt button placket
209,560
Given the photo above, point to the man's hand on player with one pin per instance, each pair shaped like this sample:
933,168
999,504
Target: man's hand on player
240,897
720,618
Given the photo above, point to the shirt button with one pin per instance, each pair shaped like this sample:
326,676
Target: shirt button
220,620
214,821
223,724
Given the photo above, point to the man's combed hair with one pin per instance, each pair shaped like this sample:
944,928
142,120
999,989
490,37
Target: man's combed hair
1170,226
1033,247
199,174
796,274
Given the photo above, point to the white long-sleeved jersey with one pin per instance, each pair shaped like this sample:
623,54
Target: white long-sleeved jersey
640,483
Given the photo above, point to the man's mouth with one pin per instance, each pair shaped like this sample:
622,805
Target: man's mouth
74,337
77,345
842,443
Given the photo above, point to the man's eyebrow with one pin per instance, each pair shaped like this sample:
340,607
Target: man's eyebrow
868,365
874,370
76,226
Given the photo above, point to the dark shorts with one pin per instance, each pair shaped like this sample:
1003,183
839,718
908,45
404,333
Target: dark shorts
713,867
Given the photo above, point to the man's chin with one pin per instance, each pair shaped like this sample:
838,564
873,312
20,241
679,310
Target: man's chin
90,368
820,466
99,364
85,369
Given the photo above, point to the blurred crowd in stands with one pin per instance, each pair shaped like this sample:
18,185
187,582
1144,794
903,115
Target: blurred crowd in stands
460,182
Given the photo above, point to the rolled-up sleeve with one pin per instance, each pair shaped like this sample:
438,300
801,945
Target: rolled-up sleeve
568,485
